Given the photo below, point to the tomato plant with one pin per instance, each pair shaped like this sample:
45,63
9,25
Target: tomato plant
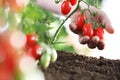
65,7
99,32
73,2
81,21
38,20
87,30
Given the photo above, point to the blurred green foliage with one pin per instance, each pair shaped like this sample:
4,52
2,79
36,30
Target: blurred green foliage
44,23
96,3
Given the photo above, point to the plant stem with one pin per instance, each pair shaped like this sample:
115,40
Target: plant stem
88,6
61,25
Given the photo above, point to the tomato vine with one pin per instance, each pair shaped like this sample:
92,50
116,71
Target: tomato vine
32,19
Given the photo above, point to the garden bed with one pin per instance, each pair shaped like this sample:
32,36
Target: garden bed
77,67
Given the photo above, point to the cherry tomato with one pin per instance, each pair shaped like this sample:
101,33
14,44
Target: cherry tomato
53,55
45,60
65,7
87,30
99,32
81,21
31,39
36,51
73,2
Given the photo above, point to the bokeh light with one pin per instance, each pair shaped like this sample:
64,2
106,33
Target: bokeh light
18,39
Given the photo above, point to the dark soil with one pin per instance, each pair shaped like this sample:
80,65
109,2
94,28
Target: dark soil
77,67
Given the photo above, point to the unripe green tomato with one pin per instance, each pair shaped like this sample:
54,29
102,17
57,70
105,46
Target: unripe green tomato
45,60
53,55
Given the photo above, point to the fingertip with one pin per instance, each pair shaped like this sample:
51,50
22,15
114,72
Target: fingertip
73,28
110,30
101,45
93,42
84,39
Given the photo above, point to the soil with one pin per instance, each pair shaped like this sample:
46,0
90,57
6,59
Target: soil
78,67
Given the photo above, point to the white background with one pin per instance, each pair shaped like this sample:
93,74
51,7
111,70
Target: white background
112,49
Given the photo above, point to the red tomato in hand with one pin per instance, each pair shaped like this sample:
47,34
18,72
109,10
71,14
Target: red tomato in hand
87,30
73,2
99,32
31,39
36,51
65,7
80,21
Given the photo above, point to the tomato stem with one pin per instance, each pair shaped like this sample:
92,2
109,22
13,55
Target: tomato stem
88,7
61,25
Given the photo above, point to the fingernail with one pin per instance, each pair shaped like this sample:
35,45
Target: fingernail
101,45
93,42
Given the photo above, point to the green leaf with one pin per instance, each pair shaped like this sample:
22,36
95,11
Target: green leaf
64,47
96,3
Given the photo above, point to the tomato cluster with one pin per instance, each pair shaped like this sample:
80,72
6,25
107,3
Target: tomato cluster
33,49
67,6
49,55
95,34
88,28
43,52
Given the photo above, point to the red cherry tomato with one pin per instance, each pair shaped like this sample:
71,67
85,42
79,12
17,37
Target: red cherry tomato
80,21
3,3
87,30
73,2
36,51
65,7
99,32
31,39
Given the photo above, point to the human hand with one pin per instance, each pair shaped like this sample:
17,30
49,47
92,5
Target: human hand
99,18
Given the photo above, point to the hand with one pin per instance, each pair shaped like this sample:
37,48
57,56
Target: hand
100,18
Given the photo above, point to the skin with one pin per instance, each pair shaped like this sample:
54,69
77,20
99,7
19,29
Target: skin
100,18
